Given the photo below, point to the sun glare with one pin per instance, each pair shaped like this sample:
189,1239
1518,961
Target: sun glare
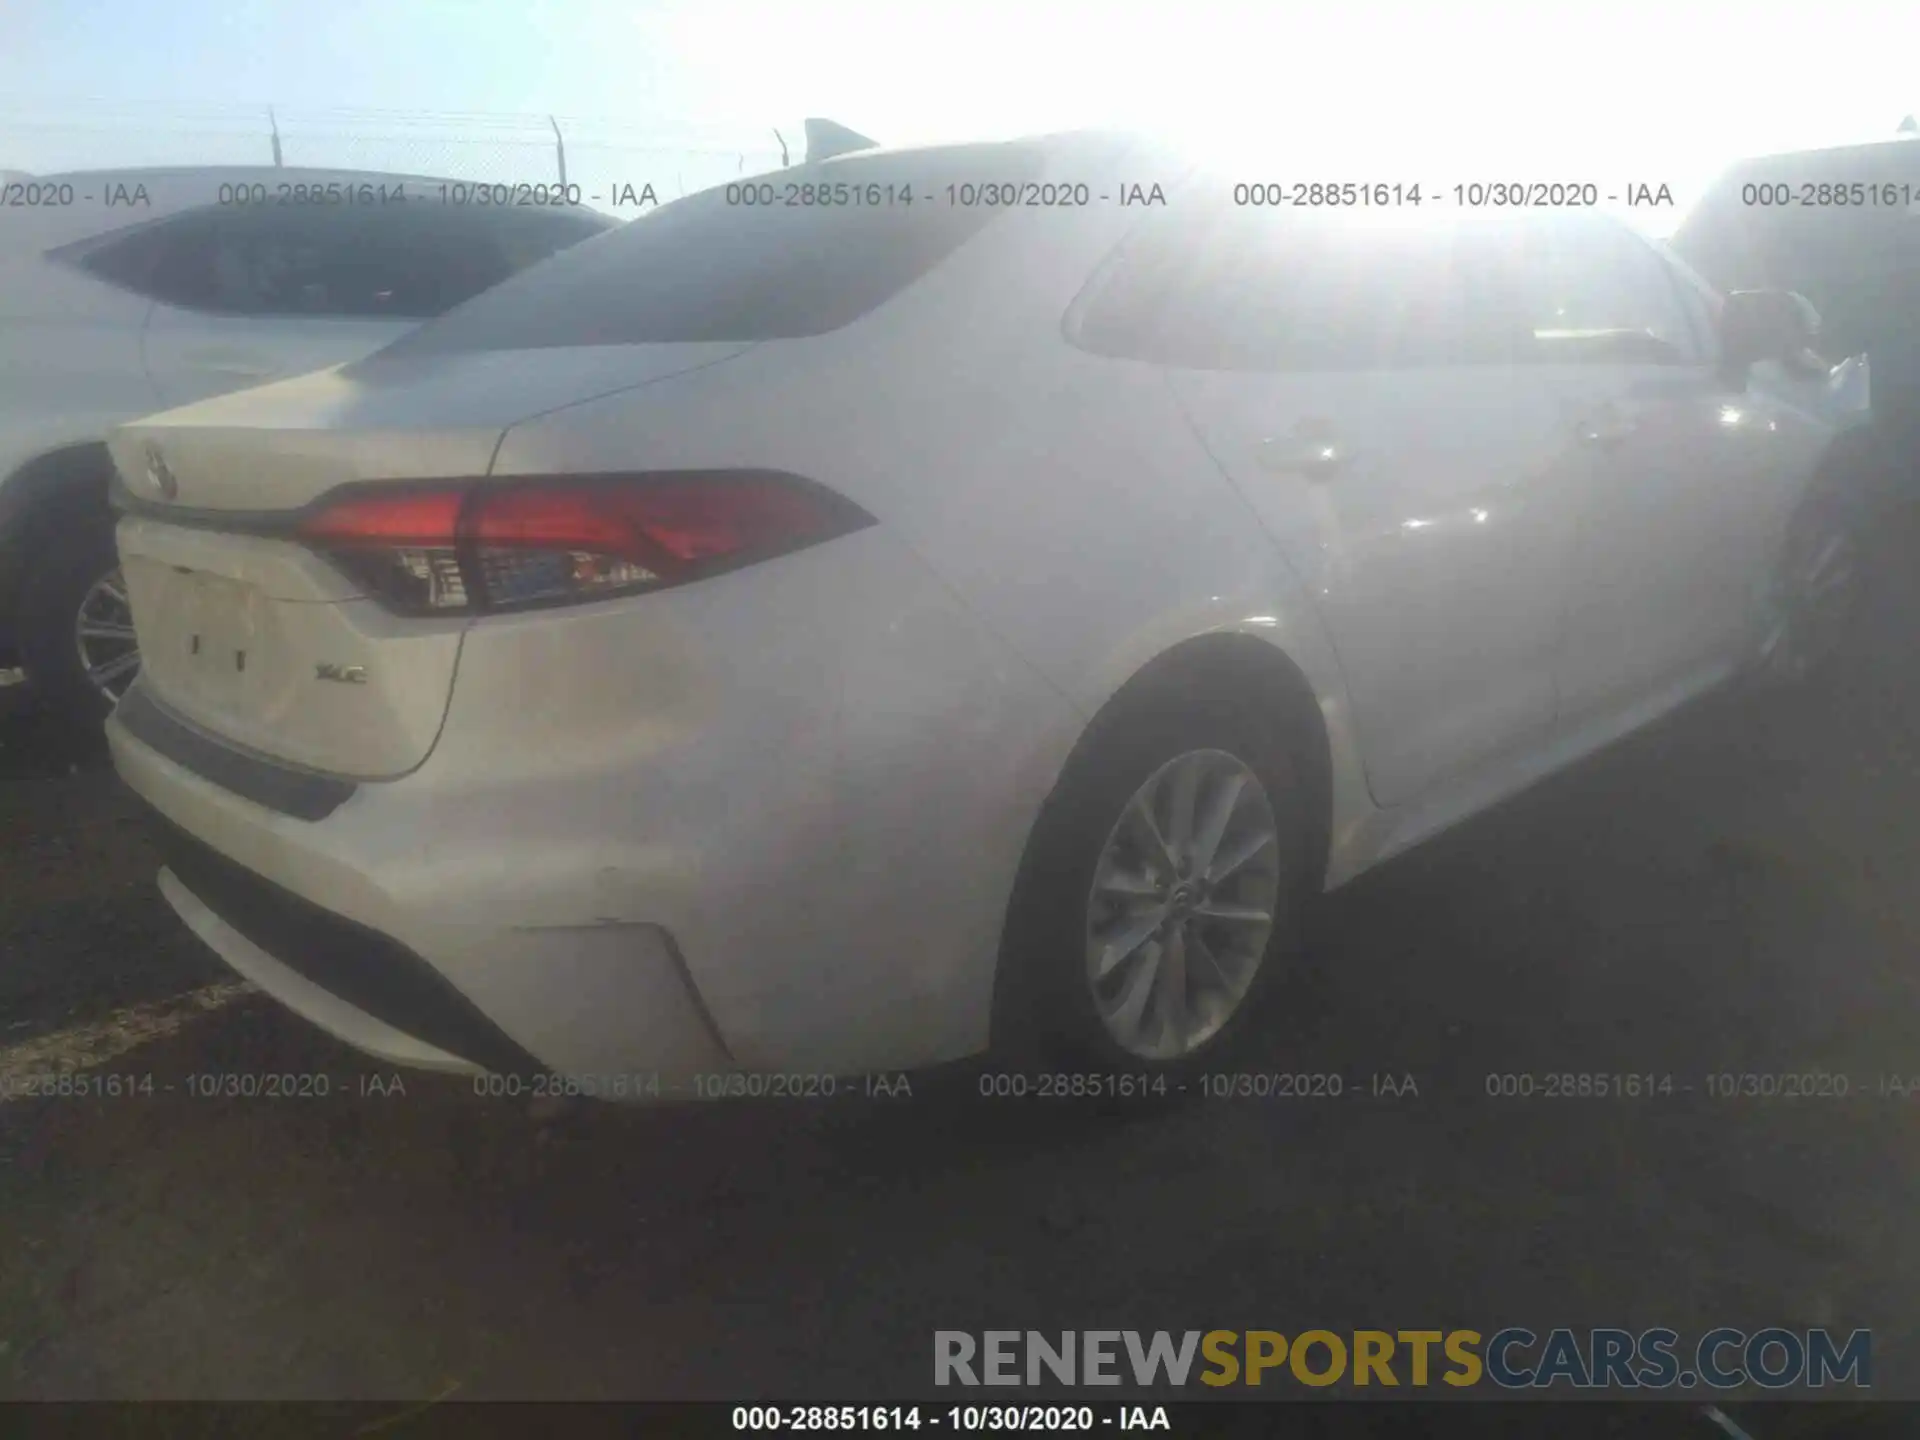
1618,96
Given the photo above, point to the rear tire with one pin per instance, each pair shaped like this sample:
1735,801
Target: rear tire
56,588
1052,1002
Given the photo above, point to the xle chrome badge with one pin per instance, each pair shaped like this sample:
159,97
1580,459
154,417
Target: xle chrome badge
343,674
159,477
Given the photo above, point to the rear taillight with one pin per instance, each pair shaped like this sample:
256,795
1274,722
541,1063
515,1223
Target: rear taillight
507,544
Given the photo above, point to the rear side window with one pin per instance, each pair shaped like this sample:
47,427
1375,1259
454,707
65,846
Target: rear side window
1597,293
1217,287
797,253
350,261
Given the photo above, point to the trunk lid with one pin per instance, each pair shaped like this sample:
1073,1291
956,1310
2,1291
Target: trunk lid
279,446
258,640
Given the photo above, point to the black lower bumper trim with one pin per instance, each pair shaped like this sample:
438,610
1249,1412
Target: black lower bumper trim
303,794
370,971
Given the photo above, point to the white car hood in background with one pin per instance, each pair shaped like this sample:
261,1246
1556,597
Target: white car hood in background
409,417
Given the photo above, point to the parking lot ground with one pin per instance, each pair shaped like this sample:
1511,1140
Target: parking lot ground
1732,893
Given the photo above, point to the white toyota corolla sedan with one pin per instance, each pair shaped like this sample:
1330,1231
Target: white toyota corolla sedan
847,619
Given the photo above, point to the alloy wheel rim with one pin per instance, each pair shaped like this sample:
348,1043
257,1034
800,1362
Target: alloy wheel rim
1182,905
103,630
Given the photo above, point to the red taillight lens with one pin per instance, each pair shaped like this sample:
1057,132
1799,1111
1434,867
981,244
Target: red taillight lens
418,517
507,544
671,523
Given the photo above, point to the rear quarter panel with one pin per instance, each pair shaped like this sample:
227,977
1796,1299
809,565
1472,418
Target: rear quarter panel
1065,527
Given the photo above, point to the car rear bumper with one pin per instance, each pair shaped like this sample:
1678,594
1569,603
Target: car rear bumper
357,1027
769,824
361,986
608,1002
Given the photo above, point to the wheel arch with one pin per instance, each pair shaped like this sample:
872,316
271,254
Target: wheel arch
1235,663
1227,662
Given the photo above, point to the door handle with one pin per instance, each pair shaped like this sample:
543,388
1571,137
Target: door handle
1313,448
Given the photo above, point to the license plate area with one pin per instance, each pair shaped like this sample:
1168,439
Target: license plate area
209,642
262,644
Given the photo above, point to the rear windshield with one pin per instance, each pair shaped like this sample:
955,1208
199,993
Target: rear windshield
798,252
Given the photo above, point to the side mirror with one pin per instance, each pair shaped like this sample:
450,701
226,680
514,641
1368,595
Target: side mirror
1758,325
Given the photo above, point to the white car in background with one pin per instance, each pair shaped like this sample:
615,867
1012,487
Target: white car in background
127,291
823,638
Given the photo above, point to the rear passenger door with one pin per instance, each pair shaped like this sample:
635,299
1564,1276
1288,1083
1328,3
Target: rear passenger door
257,294
1361,381
1676,466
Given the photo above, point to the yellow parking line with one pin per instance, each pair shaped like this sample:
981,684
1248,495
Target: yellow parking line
84,1047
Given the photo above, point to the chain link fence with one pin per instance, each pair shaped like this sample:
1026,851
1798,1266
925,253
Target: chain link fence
619,168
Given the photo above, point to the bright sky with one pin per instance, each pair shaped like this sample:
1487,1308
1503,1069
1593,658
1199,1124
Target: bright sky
1478,89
